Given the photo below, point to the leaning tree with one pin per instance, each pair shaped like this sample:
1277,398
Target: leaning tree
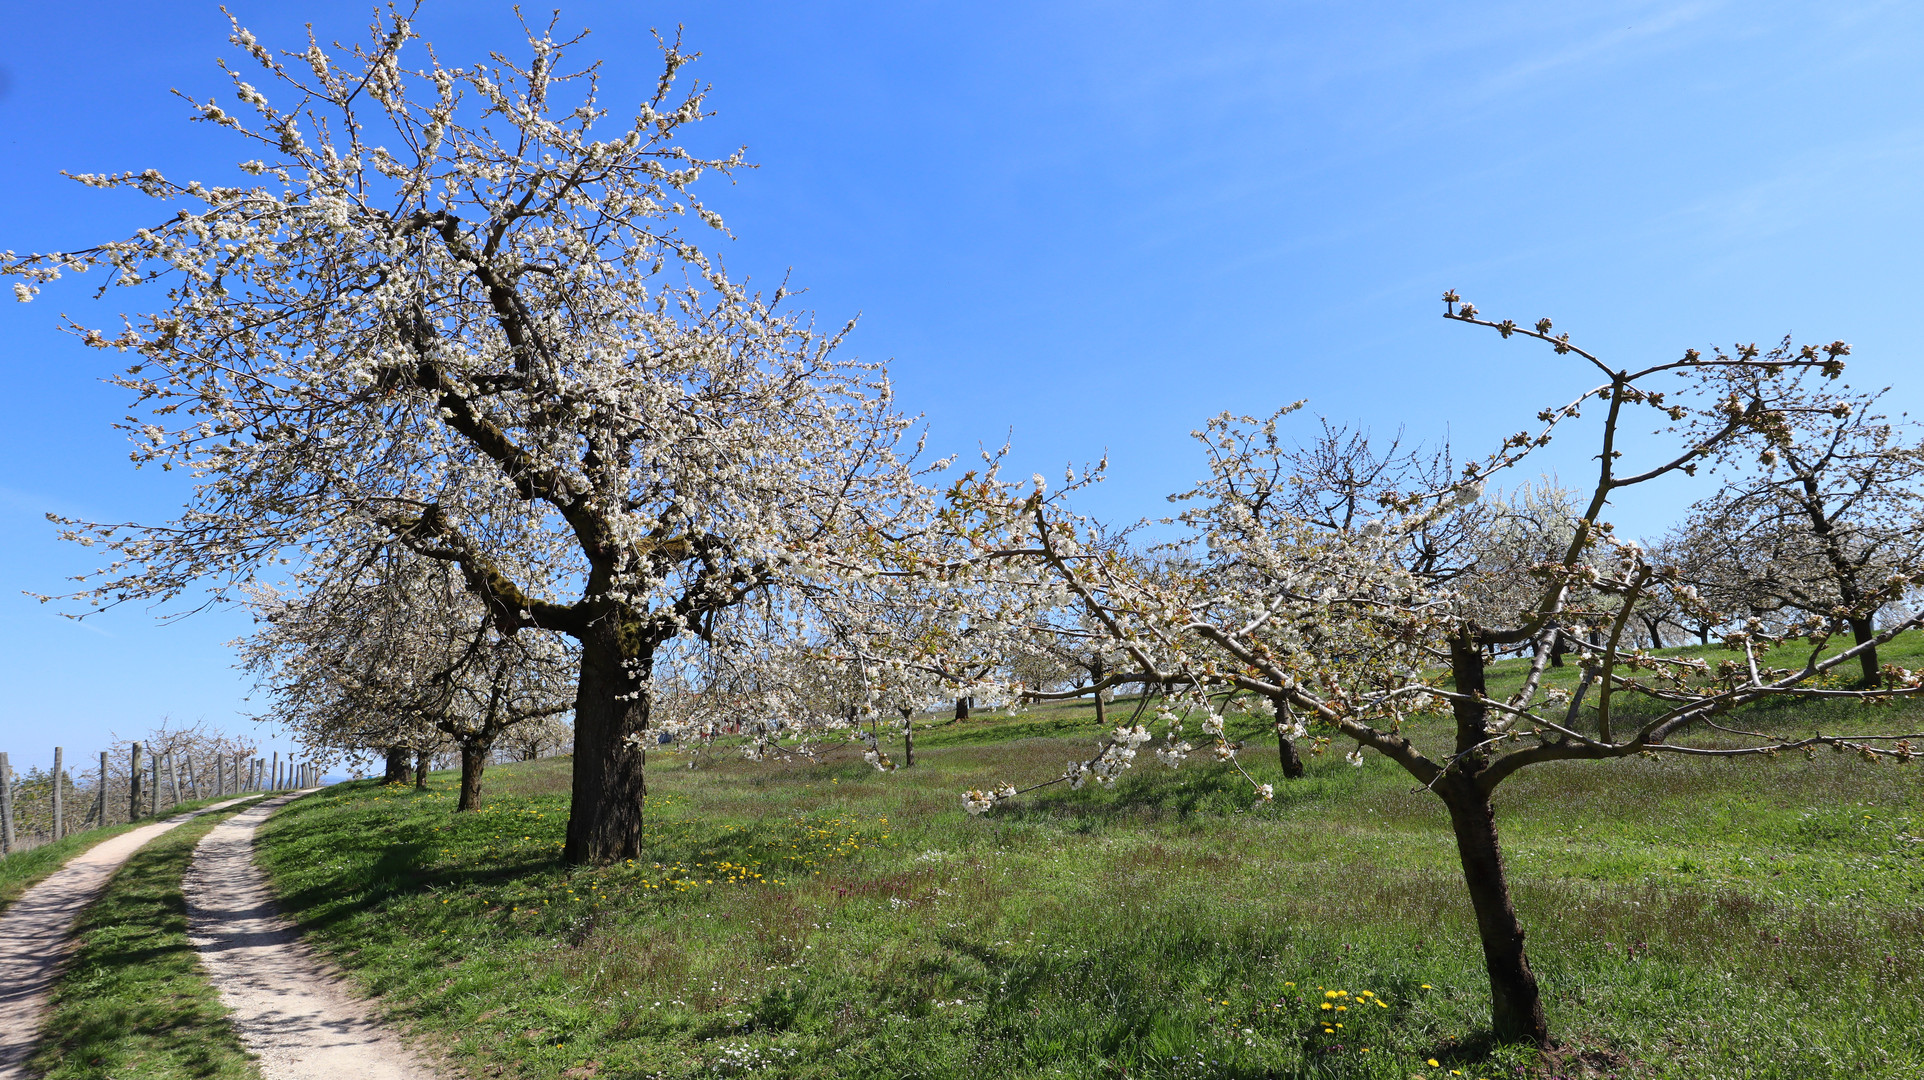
1333,624
452,307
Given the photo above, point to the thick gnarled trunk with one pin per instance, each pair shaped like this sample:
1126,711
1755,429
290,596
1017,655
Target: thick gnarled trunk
396,765
474,761
611,704
1863,630
1286,755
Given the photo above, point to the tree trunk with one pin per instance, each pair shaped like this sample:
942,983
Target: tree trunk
1655,626
1556,649
1863,630
1286,754
908,738
962,706
611,703
1516,1007
396,771
474,761
420,770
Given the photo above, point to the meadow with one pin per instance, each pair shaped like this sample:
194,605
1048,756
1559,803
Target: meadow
1687,918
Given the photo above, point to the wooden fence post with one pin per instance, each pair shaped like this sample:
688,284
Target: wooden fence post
133,783
59,798
193,778
6,805
100,797
154,803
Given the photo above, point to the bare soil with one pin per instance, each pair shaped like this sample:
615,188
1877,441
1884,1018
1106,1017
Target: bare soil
290,1007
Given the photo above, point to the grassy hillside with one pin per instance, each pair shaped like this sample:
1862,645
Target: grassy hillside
1687,919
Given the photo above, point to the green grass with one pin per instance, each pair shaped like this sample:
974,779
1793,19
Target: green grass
134,1000
1906,650
1074,719
1687,919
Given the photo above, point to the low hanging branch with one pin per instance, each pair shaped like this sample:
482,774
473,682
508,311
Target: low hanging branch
458,312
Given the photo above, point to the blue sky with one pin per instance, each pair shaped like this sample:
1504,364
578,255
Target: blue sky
1086,225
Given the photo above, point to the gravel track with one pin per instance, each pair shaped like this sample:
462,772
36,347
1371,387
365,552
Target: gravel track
290,1008
36,930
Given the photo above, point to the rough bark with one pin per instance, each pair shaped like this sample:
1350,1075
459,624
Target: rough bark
133,783
420,770
1863,630
396,771
962,706
605,812
908,738
1292,761
1286,754
1516,1005
474,761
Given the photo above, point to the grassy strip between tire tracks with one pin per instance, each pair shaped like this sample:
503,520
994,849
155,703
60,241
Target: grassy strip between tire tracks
1688,919
133,1000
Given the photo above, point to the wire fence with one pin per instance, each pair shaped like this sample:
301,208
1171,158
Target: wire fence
132,782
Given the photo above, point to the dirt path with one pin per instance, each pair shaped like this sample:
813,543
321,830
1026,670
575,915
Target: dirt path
289,1008
36,928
